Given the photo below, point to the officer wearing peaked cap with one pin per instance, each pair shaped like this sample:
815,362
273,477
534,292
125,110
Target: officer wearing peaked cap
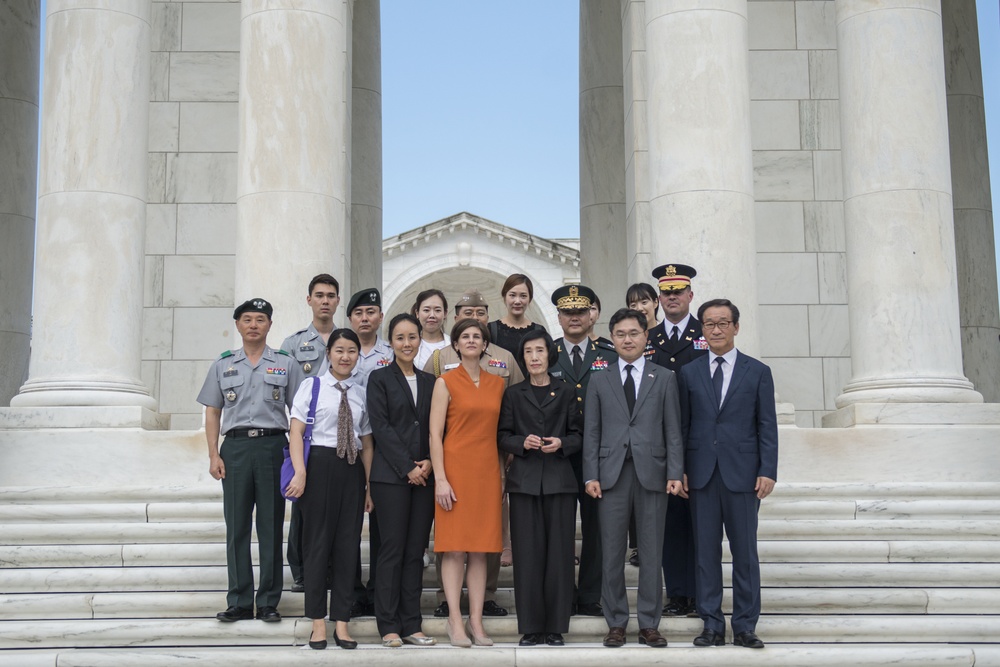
245,396
677,340
364,311
579,358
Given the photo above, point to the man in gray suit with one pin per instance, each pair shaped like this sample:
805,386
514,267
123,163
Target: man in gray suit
632,458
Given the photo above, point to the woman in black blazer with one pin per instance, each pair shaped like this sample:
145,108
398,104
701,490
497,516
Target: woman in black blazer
399,405
541,425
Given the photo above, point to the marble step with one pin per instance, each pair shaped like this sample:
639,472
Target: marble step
210,491
169,604
213,578
507,654
775,508
783,529
295,631
774,551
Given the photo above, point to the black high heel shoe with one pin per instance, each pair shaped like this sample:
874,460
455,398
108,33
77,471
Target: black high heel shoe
317,645
344,643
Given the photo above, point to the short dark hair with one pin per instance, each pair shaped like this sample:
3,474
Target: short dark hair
468,323
720,303
637,291
426,294
323,279
515,279
404,317
625,314
347,334
596,301
539,334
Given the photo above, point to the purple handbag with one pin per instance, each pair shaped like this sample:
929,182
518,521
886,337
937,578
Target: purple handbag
287,469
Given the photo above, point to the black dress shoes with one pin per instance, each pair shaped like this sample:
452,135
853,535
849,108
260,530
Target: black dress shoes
491,608
298,586
589,609
317,645
441,611
709,638
677,606
234,614
268,615
530,639
633,559
344,643
747,640
554,639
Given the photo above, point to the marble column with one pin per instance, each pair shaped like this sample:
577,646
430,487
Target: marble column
901,277
700,161
366,148
86,345
602,154
19,44
978,312
293,176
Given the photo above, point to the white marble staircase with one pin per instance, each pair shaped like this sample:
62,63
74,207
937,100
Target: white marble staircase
852,574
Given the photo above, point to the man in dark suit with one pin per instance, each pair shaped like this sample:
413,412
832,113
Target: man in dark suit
580,358
633,457
677,341
731,459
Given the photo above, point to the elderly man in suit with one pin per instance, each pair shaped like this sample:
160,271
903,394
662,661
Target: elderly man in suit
632,458
731,439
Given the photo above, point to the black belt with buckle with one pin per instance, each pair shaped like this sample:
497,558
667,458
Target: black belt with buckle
253,432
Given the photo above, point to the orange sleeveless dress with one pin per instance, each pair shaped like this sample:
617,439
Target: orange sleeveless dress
472,465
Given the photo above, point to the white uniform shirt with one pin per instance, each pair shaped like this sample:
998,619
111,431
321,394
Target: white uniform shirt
328,409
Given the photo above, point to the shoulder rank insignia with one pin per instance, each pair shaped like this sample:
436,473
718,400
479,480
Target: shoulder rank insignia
277,371
227,353
283,352
497,363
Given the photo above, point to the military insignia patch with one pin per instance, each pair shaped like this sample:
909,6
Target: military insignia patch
307,367
277,371
230,395
276,393
384,361
599,364
230,372
496,363
307,348
701,344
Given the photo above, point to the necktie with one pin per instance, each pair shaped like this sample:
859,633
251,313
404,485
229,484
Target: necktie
577,361
674,334
717,380
629,386
345,428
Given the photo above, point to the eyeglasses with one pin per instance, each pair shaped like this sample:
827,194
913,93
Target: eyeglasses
622,335
721,326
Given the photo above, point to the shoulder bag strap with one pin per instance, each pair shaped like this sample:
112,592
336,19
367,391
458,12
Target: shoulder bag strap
311,417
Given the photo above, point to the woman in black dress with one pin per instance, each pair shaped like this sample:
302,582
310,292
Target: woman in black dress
541,425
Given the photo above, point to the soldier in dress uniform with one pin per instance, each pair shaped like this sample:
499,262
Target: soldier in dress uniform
308,348
496,361
676,341
579,358
364,312
245,395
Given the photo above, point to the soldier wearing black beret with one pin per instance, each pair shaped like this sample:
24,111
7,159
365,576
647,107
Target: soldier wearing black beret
245,395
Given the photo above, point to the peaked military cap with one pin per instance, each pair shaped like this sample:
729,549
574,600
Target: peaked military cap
674,277
573,297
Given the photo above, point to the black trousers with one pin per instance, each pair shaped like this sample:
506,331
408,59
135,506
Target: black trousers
678,549
333,508
294,550
543,539
365,593
406,512
589,583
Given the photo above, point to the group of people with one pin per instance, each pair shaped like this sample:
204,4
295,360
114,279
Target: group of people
490,437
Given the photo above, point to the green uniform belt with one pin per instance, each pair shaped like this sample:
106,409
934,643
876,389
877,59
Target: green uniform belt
253,432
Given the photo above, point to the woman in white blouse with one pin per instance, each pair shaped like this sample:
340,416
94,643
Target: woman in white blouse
336,496
431,309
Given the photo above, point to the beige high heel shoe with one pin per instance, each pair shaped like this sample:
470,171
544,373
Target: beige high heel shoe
479,640
461,642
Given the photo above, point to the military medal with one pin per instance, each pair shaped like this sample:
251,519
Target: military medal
307,367
276,393
230,395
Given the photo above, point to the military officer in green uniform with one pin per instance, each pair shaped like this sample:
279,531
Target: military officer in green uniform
676,341
245,395
308,348
579,358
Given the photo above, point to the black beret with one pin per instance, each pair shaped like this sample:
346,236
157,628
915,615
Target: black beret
253,306
366,297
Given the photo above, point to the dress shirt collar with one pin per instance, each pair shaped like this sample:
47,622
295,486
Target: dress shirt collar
682,326
730,358
639,365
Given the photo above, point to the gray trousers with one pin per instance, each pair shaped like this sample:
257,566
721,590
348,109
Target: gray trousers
650,508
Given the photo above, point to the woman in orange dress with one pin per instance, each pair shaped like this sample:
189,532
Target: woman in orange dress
465,410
